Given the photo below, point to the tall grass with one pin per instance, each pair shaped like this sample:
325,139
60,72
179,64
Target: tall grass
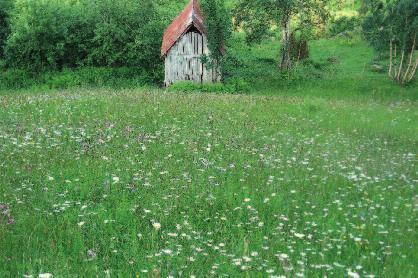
126,183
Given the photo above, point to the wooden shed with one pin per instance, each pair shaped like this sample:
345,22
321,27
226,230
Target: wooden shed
184,43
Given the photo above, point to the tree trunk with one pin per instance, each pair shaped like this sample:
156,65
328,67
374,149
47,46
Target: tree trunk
286,58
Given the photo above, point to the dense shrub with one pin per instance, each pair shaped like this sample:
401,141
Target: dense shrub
50,35
309,70
299,47
127,33
5,7
343,24
219,29
231,66
17,79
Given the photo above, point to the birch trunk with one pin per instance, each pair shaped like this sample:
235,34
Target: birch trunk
286,60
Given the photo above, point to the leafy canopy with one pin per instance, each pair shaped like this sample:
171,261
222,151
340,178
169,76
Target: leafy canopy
260,17
395,20
127,33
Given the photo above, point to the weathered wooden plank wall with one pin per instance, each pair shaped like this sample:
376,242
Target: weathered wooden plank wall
183,61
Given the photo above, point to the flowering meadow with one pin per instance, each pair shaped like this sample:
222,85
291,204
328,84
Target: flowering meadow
136,183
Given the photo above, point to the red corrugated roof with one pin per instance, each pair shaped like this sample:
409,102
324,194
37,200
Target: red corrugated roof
191,16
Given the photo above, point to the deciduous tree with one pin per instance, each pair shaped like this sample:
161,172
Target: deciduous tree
259,17
392,26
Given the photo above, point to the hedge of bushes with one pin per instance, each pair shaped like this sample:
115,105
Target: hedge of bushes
52,35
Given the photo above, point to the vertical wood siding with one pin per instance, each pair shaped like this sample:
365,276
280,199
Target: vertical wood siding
183,61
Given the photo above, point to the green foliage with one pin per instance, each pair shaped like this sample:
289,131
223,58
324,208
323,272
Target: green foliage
169,9
5,7
14,79
127,33
91,35
258,64
346,5
260,17
48,34
343,24
51,34
391,28
337,66
309,70
395,20
219,29
218,25
299,46
257,19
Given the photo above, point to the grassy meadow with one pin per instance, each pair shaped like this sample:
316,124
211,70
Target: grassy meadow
308,177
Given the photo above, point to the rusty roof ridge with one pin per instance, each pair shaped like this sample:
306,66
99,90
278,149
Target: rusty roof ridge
193,9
